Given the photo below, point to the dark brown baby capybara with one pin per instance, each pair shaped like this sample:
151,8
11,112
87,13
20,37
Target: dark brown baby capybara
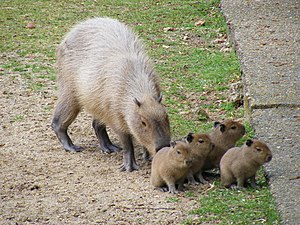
201,146
241,163
103,69
170,167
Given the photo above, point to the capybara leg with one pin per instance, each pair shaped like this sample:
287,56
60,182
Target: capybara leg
172,188
191,179
253,183
146,155
240,183
201,178
105,143
181,185
64,115
129,163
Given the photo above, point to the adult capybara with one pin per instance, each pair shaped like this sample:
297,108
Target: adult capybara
103,68
170,167
241,163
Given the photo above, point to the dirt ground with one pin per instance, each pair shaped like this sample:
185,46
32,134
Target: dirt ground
40,183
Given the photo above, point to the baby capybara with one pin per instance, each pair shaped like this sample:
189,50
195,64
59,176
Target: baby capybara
201,146
241,163
103,68
170,167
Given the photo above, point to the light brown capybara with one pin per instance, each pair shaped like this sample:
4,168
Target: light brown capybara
241,163
170,166
224,136
201,146
103,68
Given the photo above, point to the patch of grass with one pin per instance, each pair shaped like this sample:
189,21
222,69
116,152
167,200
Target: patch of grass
226,206
173,199
196,65
18,118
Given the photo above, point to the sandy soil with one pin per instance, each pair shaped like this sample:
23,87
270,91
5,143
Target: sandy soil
40,183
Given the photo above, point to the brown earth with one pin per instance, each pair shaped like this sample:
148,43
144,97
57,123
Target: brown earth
40,183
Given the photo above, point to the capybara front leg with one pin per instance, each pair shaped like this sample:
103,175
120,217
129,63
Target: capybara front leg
105,143
129,163
253,182
201,178
191,179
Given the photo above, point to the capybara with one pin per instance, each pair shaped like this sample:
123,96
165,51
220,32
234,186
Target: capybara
103,68
201,146
224,136
170,167
241,163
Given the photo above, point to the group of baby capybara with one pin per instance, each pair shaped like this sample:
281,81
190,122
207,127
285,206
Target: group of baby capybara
187,160
102,68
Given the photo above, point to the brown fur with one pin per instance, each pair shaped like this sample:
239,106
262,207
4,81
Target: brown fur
103,68
241,163
170,166
224,136
201,146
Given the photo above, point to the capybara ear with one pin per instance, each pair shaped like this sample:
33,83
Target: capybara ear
222,127
190,137
173,143
216,123
137,102
249,142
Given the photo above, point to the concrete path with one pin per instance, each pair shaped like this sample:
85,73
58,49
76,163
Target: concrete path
266,36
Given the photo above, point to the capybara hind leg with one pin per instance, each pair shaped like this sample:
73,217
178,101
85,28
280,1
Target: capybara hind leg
64,115
105,143
129,163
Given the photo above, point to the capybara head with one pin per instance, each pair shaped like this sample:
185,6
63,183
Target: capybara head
258,151
149,124
200,144
230,129
181,153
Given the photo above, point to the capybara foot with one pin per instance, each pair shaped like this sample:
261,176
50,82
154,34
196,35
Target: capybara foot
236,187
109,148
73,148
162,189
129,167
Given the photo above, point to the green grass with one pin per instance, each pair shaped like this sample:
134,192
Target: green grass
195,73
225,206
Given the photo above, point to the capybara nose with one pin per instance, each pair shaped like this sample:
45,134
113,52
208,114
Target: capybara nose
269,158
189,162
212,146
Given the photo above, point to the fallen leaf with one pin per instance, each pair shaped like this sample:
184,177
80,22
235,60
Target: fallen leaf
30,25
200,23
168,29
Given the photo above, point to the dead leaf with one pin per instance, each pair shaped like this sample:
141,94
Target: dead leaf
168,29
200,23
30,25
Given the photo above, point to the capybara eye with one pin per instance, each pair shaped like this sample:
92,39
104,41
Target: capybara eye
233,127
178,152
144,124
201,141
259,149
